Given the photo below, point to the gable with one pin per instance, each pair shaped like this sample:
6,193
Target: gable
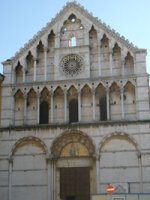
87,20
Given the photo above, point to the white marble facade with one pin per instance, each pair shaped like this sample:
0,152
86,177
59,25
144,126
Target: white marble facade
77,82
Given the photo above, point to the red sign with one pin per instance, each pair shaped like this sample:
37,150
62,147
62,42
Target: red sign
110,189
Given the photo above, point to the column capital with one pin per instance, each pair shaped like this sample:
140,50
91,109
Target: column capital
79,91
122,89
93,91
38,95
107,89
65,91
25,95
52,92
46,49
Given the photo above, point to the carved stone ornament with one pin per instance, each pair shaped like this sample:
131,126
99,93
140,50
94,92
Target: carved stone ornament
71,64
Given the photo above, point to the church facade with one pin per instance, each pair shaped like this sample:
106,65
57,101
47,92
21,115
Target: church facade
75,113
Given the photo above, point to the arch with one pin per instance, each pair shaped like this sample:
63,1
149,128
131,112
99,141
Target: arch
45,95
72,136
25,140
51,40
72,18
72,91
129,64
86,102
19,73
105,56
29,67
59,105
119,156
40,61
121,135
101,103
129,100
19,107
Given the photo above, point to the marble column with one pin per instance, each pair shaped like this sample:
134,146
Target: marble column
25,109
57,40
99,58
122,102
108,103
53,180
140,173
98,173
79,105
65,105
10,179
94,105
111,63
49,177
45,63
123,63
100,36
38,108
13,76
12,119
24,70
35,67
52,106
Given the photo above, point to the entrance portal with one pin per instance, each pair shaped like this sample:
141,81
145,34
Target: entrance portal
75,183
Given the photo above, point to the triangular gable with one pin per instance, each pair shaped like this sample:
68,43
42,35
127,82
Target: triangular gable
85,13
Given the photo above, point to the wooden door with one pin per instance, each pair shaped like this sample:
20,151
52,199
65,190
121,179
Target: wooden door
75,183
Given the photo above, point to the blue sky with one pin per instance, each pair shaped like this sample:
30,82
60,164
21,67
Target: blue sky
21,19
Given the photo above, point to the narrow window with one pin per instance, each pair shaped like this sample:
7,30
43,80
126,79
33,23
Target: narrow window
72,42
44,113
103,108
73,111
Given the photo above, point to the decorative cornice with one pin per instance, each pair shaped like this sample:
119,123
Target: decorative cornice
58,17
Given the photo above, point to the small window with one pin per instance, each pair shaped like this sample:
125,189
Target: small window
73,110
72,18
44,112
103,108
72,42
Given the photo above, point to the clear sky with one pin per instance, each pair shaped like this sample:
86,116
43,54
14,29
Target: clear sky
21,19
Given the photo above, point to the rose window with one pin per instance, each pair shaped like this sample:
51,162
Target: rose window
71,64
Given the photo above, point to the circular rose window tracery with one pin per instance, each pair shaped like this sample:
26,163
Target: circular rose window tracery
71,64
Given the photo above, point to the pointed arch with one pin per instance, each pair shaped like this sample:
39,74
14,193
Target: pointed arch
31,107
19,107
115,102
72,18
29,67
117,65
19,73
73,104
101,103
129,101
86,102
45,95
129,64
40,62
105,56
58,105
